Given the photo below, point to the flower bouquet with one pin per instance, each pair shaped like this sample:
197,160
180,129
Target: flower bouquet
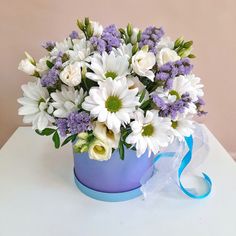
119,95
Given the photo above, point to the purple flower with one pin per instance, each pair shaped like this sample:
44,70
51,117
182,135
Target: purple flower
61,123
99,44
151,36
75,123
49,45
168,71
51,77
199,103
74,35
110,38
78,122
184,67
172,109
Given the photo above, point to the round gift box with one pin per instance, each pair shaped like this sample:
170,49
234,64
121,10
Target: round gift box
114,179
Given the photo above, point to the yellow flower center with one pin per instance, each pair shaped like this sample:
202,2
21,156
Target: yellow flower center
111,74
174,124
173,92
148,130
99,149
113,104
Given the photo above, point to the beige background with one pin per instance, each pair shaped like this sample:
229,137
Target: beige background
25,24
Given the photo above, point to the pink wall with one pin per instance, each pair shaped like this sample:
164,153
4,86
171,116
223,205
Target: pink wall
211,24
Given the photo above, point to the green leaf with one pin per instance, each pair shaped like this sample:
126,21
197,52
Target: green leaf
121,150
142,95
56,139
49,64
45,132
145,104
68,139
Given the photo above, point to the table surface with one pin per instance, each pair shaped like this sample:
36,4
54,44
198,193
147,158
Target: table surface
38,197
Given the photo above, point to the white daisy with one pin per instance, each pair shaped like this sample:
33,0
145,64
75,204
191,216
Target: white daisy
62,47
182,127
188,84
81,50
35,105
112,103
66,100
149,132
124,50
108,66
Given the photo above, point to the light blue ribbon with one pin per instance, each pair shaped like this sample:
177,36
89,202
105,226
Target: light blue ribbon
186,160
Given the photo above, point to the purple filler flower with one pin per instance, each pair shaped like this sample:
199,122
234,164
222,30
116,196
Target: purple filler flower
49,45
172,109
78,122
61,123
110,38
51,77
168,71
74,35
151,36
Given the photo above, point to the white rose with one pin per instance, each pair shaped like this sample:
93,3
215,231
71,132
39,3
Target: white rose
134,35
71,75
97,28
103,133
27,66
143,62
100,151
41,66
167,55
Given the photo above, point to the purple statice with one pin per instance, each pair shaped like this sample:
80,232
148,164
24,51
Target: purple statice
74,35
61,123
78,122
109,39
172,109
49,45
170,70
158,101
98,43
199,103
184,66
51,77
150,37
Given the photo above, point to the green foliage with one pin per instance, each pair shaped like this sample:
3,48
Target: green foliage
56,139
69,139
121,150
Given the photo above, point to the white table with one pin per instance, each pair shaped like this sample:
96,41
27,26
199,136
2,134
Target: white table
39,198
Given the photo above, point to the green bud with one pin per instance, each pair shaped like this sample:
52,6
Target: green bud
129,30
184,52
122,31
86,21
84,148
139,36
188,44
191,56
135,48
90,30
80,24
84,71
30,58
178,42
83,135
